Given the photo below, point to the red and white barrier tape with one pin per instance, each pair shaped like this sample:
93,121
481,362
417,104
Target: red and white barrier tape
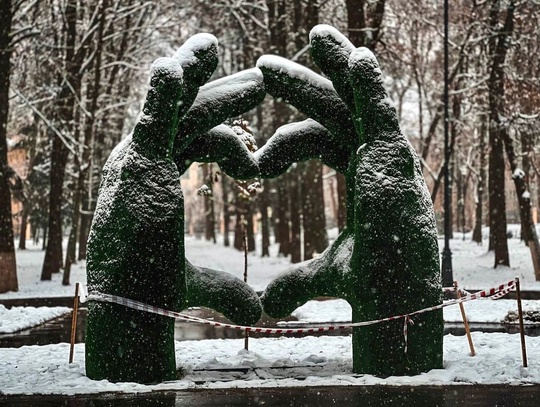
497,292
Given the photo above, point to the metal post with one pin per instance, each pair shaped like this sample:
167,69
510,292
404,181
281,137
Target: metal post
447,277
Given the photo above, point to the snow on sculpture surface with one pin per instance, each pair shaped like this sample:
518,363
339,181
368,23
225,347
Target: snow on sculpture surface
136,243
386,260
384,263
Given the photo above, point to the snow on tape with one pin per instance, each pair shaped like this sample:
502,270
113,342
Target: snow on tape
493,293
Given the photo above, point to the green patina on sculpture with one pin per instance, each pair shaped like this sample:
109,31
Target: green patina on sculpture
384,263
386,260
136,244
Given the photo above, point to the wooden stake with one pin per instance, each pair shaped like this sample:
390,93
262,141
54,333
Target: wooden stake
465,322
521,329
74,322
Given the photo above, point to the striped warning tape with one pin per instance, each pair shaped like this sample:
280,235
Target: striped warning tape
499,291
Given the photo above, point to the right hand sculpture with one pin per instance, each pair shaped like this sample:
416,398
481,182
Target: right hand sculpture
386,261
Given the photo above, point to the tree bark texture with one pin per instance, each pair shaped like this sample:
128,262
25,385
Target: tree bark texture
265,221
60,152
314,220
282,221
209,215
8,266
477,232
295,208
497,203
226,214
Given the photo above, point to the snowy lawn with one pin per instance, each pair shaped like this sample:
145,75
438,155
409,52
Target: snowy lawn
471,263
478,311
472,266
18,318
271,362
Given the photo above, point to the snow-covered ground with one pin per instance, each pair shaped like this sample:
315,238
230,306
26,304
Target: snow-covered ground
18,318
478,311
472,266
471,263
283,362
274,362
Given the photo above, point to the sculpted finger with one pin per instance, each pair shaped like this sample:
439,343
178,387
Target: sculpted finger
330,50
300,142
223,146
222,292
157,126
219,100
308,92
198,57
376,117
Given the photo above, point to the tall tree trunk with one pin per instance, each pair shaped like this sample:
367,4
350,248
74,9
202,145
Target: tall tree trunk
60,152
309,184
458,210
454,131
356,20
497,202
238,230
265,221
264,195
84,230
226,214
8,265
497,131
451,177
277,24
333,199
364,21
85,160
209,216
24,226
282,219
524,200
250,228
477,232
53,252
244,221
76,203
295,208
314,220
45,234
526,150
72,240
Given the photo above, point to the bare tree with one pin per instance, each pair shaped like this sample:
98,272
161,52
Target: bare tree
69,80
8,266
498,49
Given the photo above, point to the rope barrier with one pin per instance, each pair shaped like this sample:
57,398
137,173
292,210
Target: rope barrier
499,291
82,295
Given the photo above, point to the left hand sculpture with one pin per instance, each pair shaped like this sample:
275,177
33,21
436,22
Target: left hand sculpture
136,243
386,261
